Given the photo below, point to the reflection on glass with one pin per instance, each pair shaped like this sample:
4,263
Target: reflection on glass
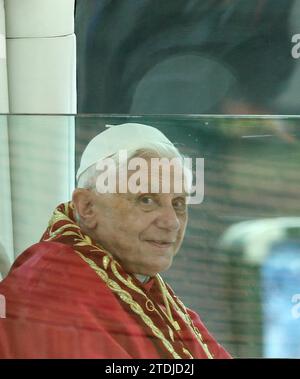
280,283
193,56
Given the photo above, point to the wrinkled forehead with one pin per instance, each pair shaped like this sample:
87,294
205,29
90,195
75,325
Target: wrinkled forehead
147,173
164,175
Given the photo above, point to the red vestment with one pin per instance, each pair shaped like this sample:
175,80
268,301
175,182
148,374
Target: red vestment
66,298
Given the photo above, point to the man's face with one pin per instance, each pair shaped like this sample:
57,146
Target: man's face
143,231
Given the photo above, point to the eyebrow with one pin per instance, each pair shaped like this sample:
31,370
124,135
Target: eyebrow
155,194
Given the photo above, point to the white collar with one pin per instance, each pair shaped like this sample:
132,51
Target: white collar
142,278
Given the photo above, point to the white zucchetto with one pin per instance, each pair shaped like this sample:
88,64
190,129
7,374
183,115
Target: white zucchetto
129,136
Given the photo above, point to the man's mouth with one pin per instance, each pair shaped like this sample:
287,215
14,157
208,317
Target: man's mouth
161,244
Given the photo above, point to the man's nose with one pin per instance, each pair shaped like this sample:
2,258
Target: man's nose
167,219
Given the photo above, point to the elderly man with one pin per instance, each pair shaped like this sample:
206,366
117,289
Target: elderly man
91,287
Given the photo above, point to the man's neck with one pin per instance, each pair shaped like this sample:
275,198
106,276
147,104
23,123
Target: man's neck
142,278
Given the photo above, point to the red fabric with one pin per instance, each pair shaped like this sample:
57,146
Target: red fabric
57,307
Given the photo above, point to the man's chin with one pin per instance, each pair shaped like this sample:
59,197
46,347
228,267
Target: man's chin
159,267
147,261
149,269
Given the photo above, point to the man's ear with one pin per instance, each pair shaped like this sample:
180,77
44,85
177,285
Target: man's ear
83,201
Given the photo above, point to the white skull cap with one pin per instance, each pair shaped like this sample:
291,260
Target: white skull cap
129,136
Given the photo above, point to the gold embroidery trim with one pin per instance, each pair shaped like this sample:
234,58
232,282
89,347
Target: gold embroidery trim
185,316
127,298
128,282
149,304
150,307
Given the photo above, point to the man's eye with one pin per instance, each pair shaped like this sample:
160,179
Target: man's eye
179,204
146,200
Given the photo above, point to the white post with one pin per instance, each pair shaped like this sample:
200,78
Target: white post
41,55
6,236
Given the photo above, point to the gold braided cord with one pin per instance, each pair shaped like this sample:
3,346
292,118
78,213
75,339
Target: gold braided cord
187,352
187,319
132,286
105,261
168,312
127,298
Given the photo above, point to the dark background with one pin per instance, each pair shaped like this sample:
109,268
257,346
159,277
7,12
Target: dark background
187,56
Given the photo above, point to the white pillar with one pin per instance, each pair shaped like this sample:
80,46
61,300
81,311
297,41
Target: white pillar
41,54
3,70
6,237
42,161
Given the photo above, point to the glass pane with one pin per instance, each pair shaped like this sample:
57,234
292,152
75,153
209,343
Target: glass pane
251,203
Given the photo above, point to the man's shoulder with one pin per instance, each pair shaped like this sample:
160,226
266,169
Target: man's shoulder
41,258
46,264
41,252
53,273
